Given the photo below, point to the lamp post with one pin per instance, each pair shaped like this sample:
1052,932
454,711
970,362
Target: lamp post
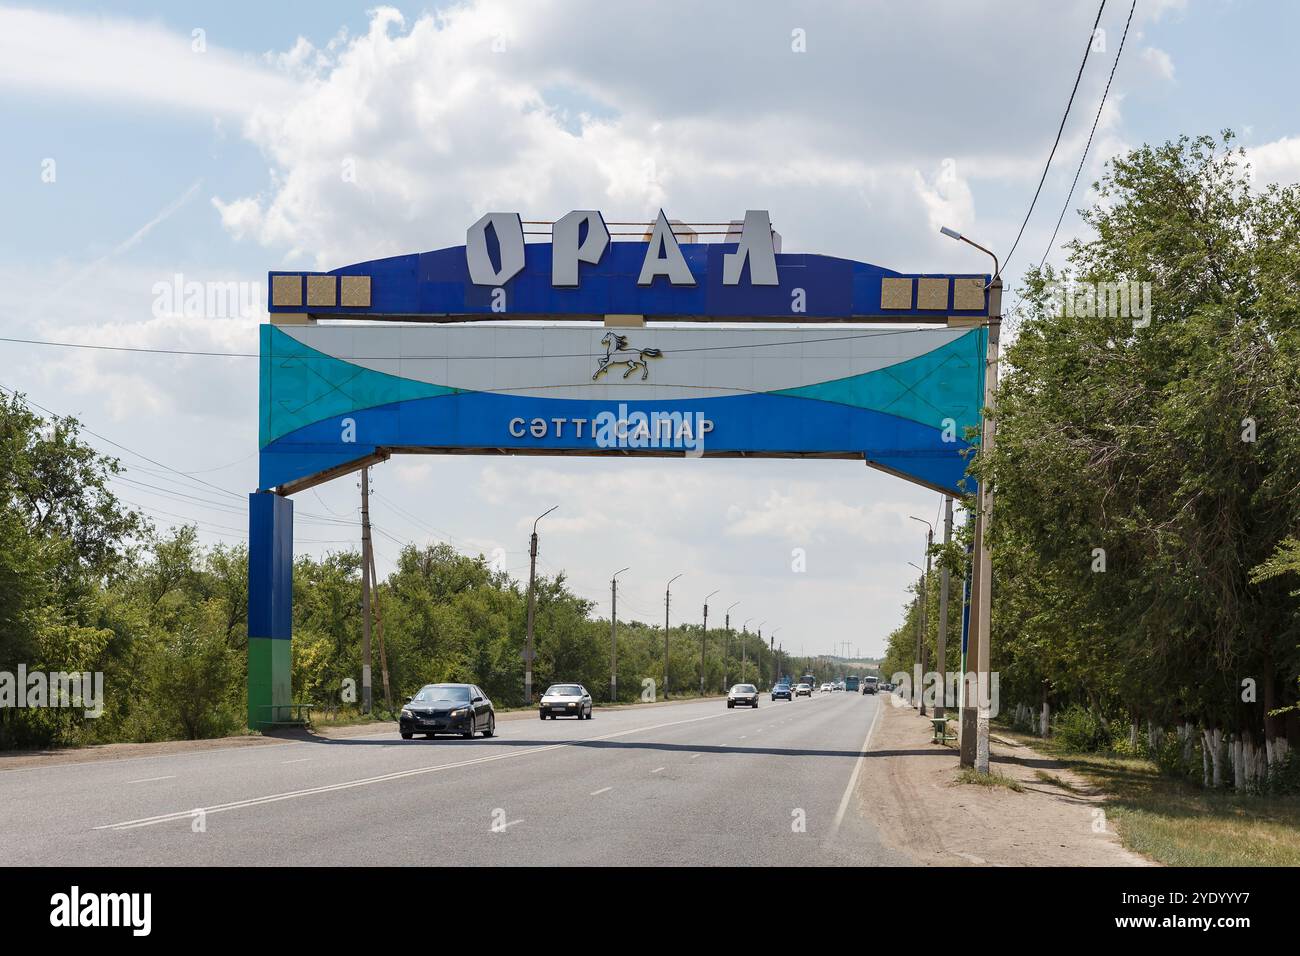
923,651
704,636
613,637
668,600
744,648
726,651
917,672
529,653
975,720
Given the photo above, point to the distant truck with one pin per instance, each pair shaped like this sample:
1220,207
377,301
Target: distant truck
870,685
851,685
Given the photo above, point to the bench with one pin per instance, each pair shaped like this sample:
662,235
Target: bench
941,735
296,718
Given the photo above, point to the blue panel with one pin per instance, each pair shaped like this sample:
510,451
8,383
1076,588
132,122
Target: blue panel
760,423
438,283
270,566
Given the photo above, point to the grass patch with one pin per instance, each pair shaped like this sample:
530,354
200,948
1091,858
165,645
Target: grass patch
1176,822
1056,781
990,779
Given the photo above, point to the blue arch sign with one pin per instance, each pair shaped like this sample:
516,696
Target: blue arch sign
584,345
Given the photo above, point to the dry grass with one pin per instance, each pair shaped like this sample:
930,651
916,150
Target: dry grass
991,779
1176,822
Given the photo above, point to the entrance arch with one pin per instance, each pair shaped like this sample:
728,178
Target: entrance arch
710,357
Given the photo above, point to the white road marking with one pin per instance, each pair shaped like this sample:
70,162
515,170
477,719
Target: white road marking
299,760
597,793
857,769
694,756
384,778
170,776
656,769
502,828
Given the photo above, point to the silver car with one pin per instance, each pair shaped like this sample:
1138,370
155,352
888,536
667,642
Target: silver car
565,700
742,695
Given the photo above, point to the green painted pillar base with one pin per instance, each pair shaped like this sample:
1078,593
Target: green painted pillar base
269,690
270,609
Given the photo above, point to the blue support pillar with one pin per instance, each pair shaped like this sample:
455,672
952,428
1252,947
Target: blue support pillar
270,608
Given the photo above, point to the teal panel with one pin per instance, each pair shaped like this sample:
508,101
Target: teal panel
945,383
301,386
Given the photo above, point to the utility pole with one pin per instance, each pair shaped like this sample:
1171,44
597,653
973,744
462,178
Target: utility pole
918,671
668,597
366,693
984,555
529,653
975,720
613,637
726,652
379,623
704,636
941,647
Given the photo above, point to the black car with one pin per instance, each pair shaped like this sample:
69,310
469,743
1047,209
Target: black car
448,709
782,692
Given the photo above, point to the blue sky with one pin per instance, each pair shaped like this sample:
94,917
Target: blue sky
224,163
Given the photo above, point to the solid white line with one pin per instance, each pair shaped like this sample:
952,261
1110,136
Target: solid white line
170,776
597,793
384,778
857,769
299,760
656,769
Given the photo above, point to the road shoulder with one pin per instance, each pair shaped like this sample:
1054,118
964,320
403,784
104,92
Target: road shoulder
910,791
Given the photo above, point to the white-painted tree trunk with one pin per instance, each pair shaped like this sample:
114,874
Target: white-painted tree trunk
1213,740
1153,735
1045,720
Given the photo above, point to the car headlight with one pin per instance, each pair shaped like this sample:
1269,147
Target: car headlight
460,713
407,713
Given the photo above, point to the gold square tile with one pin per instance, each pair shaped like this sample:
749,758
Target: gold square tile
932,294
354,291
286,290
322,290
895,293
968,294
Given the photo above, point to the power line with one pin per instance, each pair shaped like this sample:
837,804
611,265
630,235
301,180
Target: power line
1061,129
1097,119
450,358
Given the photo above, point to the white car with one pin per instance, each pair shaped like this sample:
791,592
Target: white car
803,690
827,688
565,700
745,695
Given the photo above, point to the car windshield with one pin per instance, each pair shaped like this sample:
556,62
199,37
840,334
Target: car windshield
744,688
436,693
564,690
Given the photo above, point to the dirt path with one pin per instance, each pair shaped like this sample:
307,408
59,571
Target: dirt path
909,789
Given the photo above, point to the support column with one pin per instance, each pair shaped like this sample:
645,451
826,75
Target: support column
270,608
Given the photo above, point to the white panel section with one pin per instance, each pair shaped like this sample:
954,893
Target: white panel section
559,362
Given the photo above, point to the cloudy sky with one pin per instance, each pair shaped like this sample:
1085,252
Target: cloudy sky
149,144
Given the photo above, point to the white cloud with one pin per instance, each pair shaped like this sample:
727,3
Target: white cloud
1276,162
100,57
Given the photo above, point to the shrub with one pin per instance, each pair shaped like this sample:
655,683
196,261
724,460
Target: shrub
1080,730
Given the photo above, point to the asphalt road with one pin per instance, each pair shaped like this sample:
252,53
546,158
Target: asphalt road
684,784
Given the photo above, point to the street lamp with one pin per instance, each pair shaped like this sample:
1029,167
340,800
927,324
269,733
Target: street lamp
744,648
529,653
704,636
667,601
613,636
975,725
922,651
726,651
